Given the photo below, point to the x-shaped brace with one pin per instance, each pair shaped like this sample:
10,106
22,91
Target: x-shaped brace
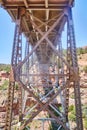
51,45
39,42
43,107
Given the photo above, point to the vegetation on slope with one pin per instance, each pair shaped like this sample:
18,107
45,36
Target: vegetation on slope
4,86
85,68
81,50
5,67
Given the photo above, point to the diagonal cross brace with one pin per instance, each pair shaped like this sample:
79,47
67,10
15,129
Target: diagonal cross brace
58,120
44,23
39,42
51,45
44,106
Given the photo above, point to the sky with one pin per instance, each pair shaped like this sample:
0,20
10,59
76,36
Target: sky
7,27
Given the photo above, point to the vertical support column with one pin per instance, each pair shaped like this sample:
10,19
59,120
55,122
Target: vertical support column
16,58
16,54
69,60
75,68
19,59
20,14
9,104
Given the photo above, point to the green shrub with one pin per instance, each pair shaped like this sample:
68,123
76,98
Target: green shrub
81,50
85,123
72,96
4,85
16,86
27,128
84,111
72,117
5,67
72,114
71,108
85,69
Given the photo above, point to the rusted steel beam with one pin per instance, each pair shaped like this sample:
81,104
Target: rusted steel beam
26,3
47,22
10,8
9,105
46,3
16,58
76,73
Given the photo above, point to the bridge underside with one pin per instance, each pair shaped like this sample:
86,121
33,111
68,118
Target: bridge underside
46,74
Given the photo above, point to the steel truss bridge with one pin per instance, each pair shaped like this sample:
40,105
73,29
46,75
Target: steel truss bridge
45,74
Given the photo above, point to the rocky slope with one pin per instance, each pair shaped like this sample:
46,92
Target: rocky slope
82,61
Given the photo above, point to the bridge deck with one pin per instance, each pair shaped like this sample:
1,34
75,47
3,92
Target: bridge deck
42,9
44,14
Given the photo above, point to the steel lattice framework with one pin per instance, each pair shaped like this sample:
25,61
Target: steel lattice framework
45,75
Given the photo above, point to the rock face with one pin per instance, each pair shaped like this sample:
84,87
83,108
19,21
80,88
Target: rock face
2,109
4,74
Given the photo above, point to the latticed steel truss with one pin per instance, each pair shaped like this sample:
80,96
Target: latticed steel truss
46,75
